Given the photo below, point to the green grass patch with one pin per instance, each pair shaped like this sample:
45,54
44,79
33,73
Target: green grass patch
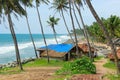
43,62
36,63
98,58
113,77
110,65
6,70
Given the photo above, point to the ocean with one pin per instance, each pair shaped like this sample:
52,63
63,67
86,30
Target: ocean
7,50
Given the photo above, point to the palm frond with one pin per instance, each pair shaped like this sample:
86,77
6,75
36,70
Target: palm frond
38,2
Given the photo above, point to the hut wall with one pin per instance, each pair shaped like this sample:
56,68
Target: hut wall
67,56
54,58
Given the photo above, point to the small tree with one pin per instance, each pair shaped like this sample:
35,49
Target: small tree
52,22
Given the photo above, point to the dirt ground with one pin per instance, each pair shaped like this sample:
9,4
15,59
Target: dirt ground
36,73
48,73
102,70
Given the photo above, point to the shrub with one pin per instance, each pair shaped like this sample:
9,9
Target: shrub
79,66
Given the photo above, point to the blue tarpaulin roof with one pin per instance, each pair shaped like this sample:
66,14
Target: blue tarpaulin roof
59,47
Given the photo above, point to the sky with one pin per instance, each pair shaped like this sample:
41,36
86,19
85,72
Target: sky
104,8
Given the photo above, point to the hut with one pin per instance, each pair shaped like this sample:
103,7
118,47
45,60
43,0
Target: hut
112,57
85,49
63,51
57,51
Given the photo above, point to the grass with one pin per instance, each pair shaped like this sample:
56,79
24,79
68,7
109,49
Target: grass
98,58
10,70
113,77
36,63
110,65
43,62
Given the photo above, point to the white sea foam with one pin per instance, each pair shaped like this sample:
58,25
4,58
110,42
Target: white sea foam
63,38
6,49
60,39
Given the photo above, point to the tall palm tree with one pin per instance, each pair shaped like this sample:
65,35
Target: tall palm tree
105,33
13,6
38,2
79,3
61,6
52,22
77,19
0,9
73,25
28,3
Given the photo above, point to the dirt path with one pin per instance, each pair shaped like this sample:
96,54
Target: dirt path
36,73
47,73
102,70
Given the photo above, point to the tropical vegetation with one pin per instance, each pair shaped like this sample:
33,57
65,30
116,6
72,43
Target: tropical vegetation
104,30
112,25
80,66
52,22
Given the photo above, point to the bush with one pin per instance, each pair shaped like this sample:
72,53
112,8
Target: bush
80,66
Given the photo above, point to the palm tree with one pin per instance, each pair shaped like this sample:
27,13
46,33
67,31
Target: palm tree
76,41
105,33
52,22
79,3
38,2
0,9
113,24
13,6
61,6
77,20
28,3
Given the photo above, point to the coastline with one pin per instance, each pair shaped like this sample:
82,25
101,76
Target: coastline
7,51
81,40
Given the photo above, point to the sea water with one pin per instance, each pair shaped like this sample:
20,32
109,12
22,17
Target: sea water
7,49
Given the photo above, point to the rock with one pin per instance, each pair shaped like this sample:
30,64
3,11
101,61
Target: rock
14,63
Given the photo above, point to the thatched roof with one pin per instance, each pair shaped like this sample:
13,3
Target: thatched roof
111,56
52,53
68,41
85,48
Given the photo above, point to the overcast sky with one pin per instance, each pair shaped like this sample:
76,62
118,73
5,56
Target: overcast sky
104,8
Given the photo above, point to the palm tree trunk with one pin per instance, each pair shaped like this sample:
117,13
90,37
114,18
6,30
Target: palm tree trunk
76,41
85,31
67,27
31,35
15,42
77,19
105,33
42,32
54,32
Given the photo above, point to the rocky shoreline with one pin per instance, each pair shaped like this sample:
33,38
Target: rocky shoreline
14,63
